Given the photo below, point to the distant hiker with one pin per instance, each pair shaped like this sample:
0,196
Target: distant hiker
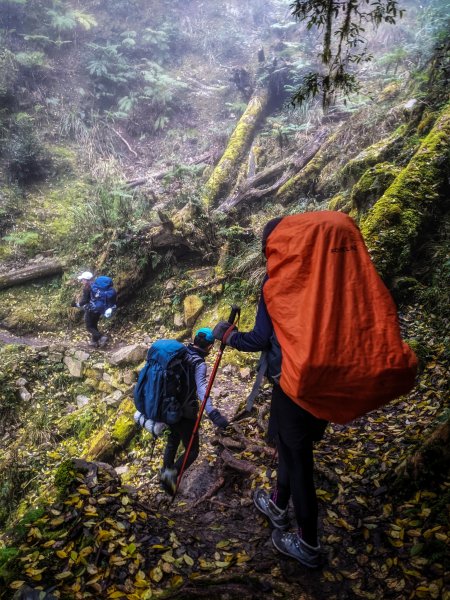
332,349
98,299
167,392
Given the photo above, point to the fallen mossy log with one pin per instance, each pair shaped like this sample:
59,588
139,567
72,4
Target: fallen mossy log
392,227
282,170
33,271
241,138
115,435
304,180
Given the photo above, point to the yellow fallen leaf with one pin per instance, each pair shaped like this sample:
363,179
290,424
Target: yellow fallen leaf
167,556
64,575
176,581
15,585
188,560
156,574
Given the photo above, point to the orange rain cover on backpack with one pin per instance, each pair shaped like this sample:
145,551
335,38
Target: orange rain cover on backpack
342,354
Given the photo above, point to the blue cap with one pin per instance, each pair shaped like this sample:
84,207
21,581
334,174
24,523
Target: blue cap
207,333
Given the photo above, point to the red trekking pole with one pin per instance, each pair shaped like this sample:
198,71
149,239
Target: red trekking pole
235,311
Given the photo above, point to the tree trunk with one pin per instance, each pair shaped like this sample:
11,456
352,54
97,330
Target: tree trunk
283,170
34,270
240,140
417,195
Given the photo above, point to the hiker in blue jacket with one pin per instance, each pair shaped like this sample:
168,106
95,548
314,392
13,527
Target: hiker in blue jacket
294,430
182,431
92,312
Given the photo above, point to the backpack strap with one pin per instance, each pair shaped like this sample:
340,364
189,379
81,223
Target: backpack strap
192,359
262,370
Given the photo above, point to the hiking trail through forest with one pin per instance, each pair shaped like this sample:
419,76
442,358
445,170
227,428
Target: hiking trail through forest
212,542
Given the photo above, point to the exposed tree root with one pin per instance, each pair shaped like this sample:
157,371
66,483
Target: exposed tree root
242,466
211,491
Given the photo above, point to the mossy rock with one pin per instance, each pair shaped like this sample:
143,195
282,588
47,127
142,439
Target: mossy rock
390,91
372,184
193,306
392,227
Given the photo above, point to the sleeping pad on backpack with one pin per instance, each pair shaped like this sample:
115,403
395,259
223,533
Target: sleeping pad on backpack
337,325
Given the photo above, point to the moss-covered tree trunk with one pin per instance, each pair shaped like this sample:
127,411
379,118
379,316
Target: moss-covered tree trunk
116,433
225,171
392,226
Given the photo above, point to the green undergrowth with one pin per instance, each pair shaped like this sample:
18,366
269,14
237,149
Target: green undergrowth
34,307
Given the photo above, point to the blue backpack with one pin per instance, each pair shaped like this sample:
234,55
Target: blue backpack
166,385
103,295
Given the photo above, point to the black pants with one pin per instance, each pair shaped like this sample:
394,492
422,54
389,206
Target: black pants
91,320
296,430
181,431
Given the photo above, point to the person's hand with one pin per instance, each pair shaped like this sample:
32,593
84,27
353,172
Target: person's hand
221,328
218,419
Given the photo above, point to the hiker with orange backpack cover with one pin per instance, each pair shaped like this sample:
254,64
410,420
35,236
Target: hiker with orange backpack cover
330,331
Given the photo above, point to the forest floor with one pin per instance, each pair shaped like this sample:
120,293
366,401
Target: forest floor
124,538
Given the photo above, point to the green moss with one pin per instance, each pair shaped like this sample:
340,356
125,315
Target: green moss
64,159
220,312
9,566
239,140
370,156
123,429
113,434
390,91
340,202
32,307
372,184
64,477
392,226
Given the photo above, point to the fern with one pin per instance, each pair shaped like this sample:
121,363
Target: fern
126,104
86,20
62,22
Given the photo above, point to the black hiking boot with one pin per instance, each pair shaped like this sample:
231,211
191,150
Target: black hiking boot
168,480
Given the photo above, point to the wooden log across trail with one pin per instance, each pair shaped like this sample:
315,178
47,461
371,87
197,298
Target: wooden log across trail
32,271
